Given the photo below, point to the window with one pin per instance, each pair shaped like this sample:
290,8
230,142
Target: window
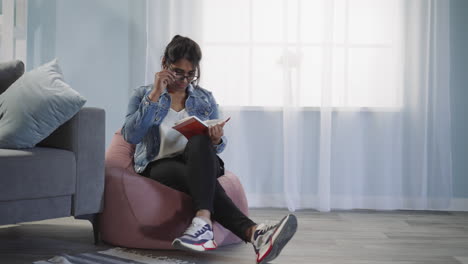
13,29
352,48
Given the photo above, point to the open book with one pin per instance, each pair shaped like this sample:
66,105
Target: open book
192,125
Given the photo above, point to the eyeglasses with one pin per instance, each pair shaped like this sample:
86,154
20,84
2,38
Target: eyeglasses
180,75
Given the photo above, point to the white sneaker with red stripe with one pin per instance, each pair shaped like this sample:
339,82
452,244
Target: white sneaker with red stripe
198,237
269,240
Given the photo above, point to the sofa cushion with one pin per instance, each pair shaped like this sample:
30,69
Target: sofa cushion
10,72
36,173
35,105
12,212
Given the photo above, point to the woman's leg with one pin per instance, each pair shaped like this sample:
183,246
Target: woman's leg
230,216
172,172
195,173
168,171
204,169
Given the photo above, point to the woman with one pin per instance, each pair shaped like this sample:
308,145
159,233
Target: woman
192,166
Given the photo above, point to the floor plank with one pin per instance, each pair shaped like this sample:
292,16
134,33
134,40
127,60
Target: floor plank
338,237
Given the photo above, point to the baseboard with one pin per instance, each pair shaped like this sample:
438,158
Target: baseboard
353,202
459,204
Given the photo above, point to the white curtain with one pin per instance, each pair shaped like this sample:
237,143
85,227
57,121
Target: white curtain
334,104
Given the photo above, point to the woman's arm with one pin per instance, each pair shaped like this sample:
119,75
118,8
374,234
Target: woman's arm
215,115
141,114
144,108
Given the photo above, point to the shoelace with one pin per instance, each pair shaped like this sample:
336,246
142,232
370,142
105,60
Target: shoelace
260,232
263,230
194,230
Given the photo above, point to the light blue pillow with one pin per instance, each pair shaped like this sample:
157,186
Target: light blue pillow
35,105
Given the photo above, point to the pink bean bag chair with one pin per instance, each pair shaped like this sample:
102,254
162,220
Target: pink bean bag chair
142,213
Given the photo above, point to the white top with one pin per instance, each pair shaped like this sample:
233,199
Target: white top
172,142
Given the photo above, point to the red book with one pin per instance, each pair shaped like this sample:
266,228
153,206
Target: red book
192,125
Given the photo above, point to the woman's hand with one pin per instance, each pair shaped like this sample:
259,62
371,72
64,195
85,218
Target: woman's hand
216,132
161,80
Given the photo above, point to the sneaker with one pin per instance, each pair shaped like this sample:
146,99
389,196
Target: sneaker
269,240
197,237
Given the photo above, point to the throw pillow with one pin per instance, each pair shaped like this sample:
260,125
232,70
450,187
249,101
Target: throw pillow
35,105
9,73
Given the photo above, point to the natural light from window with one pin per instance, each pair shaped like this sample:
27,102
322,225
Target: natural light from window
13,30
352,49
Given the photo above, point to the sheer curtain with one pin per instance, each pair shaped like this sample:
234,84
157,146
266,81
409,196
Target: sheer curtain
13,30
334,104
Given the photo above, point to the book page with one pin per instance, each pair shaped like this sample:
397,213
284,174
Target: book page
210,122
213,122
187,118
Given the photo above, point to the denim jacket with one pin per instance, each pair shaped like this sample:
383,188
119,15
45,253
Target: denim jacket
143,118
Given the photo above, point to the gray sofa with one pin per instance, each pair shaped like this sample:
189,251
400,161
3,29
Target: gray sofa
62,176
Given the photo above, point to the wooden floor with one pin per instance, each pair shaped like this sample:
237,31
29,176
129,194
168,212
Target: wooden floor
339,237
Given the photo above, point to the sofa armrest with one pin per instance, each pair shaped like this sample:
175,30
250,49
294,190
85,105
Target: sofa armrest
84,135
10,72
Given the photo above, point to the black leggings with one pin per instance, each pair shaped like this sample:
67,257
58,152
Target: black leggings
195,173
